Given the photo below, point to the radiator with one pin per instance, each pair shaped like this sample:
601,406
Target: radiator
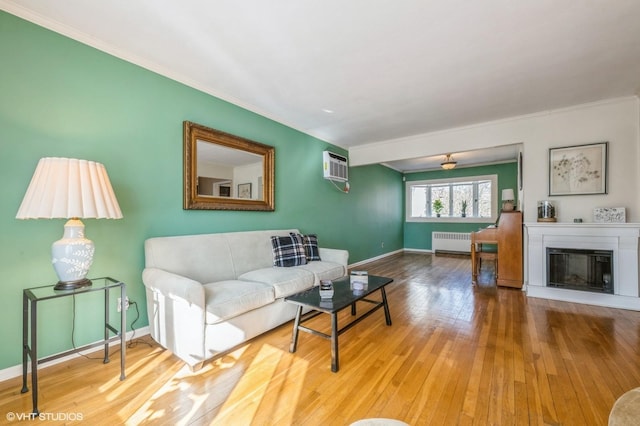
451,241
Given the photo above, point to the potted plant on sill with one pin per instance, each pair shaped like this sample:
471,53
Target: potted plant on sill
438,207
463,206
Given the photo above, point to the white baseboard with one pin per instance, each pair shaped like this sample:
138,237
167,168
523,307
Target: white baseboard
589,298
382,256
424,251
16,370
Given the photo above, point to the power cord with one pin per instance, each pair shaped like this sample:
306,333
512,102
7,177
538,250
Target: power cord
132,341
346,186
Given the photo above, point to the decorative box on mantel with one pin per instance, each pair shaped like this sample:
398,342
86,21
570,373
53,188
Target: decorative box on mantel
612,258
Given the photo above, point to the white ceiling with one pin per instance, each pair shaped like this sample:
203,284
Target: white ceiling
493,155
354,72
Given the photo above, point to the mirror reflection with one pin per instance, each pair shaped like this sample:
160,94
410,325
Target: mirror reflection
226,172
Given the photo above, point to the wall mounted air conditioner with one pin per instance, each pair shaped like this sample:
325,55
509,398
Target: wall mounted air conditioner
335,166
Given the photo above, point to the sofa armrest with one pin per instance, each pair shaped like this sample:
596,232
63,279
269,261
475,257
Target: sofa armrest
174,286
176,311
335,255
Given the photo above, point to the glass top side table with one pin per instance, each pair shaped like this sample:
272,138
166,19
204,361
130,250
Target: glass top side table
30,299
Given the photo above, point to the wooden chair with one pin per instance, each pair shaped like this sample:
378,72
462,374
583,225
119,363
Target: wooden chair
487,252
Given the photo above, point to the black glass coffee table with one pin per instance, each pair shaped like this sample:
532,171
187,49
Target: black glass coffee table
344,296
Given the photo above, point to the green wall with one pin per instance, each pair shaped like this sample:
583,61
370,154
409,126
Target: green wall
62,98
417,235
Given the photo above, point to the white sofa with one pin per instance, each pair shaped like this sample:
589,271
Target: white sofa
208,293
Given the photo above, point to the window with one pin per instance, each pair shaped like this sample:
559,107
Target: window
478,194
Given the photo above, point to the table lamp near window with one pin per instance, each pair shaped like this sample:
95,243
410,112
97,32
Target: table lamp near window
71,189
508,200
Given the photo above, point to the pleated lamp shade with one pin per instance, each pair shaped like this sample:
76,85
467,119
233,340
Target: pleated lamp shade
508,195
72,189
69,188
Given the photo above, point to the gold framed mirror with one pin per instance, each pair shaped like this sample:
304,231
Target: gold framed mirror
226,172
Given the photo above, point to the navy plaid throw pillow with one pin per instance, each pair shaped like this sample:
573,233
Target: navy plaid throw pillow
288,251
310,242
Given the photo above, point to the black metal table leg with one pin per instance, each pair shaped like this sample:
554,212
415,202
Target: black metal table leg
387,314
34,357
294,337
335,362
25,342
106,326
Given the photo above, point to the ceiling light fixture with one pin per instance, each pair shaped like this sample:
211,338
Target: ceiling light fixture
448,163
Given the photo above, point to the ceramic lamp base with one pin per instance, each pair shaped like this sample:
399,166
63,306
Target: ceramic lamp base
72,285
72,255
507,206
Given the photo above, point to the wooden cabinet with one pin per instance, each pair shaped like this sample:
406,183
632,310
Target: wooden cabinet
508,237
510,249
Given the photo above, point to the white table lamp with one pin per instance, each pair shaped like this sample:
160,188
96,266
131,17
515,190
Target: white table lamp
70,189
508,199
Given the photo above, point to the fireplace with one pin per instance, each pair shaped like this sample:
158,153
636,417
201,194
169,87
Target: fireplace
580,269
620,240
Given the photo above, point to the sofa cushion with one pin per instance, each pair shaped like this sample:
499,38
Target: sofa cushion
285,281
227,299
288,250
324,270
310,243
205,258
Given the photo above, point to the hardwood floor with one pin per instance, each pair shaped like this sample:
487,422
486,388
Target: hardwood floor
455,354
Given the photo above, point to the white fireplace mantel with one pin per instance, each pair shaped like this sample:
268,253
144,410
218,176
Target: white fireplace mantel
621,238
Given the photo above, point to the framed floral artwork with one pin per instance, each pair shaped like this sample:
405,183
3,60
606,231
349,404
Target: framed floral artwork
578,170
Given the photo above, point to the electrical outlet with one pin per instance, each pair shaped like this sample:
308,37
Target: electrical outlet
382,244
119,305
